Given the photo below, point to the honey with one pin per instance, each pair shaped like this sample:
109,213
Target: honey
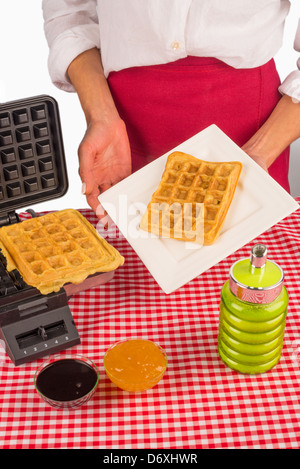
135,365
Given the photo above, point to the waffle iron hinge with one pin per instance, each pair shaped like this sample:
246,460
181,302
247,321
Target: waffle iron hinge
9,218
39,326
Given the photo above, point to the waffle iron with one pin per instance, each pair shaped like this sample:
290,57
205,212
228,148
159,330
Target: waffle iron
32,170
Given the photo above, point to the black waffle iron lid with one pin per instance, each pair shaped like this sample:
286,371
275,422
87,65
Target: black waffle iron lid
33,167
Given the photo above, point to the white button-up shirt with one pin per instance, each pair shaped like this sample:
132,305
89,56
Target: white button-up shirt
129,33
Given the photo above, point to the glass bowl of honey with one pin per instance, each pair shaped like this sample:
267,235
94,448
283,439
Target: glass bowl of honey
135,365
66,382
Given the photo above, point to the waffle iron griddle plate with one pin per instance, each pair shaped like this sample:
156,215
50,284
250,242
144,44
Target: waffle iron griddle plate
32,170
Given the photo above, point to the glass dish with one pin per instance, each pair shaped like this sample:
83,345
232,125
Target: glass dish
66,382
135,365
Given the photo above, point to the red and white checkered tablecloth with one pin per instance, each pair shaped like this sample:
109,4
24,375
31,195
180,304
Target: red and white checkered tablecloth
200,403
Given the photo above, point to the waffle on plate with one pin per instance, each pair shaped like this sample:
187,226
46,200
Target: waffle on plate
55,249
192,199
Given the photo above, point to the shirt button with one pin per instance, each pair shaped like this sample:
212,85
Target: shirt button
175,45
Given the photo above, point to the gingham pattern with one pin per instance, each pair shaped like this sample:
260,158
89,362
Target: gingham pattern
200,403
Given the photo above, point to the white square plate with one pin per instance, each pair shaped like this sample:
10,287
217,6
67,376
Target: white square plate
258,203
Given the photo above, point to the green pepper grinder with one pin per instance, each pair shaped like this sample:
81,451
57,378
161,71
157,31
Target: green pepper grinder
252,314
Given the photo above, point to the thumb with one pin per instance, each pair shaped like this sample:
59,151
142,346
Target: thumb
85,172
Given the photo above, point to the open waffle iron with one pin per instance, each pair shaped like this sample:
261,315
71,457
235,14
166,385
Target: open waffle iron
32,170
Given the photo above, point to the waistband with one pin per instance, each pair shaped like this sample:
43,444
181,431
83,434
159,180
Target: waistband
191,60
198,62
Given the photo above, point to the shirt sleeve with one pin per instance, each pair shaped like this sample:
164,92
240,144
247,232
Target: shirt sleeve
71,27
291,84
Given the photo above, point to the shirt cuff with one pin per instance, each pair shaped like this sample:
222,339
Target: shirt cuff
291,86
66,47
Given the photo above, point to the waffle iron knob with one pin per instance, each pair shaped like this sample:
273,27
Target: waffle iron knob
42,332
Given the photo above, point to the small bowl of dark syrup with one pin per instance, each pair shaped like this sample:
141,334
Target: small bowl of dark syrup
67,382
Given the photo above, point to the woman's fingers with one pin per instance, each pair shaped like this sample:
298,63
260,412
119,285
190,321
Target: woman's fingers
103,217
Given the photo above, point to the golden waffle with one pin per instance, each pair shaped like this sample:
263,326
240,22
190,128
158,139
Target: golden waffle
57,248
192,199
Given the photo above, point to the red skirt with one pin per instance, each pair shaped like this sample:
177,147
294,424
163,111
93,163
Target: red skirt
164,105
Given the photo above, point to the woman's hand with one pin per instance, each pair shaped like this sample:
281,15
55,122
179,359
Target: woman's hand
256,155
104,158
280,129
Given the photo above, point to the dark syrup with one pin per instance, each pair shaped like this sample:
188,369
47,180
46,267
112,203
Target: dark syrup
66,380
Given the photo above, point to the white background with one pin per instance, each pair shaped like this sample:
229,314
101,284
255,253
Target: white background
24,73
